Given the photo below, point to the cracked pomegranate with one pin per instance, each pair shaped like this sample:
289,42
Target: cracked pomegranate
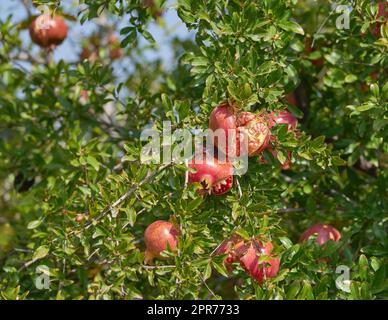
215,177
230,247
245,132
258,261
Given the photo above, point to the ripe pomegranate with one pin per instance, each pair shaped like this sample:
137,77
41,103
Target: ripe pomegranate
253,127
309,49
230,247
260,270
283,117
324,233
47,31
286,165
374,75
151,5
215,177
115,51
157,236
381,12
291,98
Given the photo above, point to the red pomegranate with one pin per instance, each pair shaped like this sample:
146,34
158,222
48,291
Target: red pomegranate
309,49
283,117
286,165
150,4
324,233
253,264
47,31
115,51
157,237
230,247
215,177
381,12
252,128
291,98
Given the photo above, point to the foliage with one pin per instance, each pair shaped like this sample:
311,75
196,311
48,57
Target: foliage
82,159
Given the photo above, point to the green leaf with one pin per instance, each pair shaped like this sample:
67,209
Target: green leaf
287,243
40,253
220,268
167,103
34,224
290,26
93,162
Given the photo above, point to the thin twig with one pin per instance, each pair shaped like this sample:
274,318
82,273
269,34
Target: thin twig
207,287
159,267
130,191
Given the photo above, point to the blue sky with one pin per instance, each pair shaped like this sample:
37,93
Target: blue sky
70,49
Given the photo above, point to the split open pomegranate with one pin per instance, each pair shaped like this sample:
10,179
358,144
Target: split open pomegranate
245,132
259,262
215,177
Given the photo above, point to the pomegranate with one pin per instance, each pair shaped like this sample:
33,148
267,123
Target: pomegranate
260,270
115,50
253,126
291,99
381,12
283,117
47,31
286,165
157,237
151,5
324,233
309,49
215,177
230,247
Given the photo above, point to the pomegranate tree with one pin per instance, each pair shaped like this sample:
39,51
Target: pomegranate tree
215,177
323,232
47,31
258,261
159,236
240,129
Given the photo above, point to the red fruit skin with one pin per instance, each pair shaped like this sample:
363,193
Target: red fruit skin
291,99
257,134
283,117
157,236
55,33
216,177
286,165
260,271
223,118
317,62
381,12
115,51
324,233
230,246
